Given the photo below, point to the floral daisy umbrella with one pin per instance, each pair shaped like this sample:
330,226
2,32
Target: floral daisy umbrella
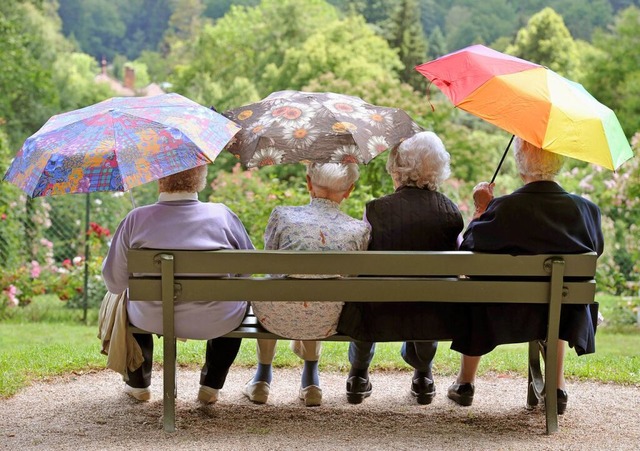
300,127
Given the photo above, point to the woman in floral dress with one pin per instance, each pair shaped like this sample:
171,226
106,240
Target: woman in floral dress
318,226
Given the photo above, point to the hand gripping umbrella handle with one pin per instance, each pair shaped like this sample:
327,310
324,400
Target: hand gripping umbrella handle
502,159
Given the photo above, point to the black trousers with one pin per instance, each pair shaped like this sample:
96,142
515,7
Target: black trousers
220,354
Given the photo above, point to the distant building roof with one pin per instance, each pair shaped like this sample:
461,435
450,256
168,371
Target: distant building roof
126,89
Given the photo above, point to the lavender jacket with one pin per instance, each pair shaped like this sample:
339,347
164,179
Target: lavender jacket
177,221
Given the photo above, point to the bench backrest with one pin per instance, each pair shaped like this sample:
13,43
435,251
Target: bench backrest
365,276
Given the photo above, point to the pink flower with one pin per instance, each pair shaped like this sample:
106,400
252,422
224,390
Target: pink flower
35,269
3,216
12,292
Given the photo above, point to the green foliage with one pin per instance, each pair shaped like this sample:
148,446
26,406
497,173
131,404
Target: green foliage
28,95
613,74
347,48
246,41
404,32
73,77
157,67
126,27
252,197
470,22
616,193
547,41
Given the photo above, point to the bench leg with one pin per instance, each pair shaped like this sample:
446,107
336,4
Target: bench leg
169,383
553,329
169,339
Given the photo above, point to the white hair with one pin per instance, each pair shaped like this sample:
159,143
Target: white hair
534,162
335,177
421,160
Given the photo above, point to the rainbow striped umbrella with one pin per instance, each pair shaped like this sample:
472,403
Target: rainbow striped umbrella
119,143
532,102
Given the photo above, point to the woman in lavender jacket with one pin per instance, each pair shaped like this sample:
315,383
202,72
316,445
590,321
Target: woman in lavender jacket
179,221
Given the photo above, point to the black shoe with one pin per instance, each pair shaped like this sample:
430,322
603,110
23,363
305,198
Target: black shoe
563,397
424,389
462,394
358,388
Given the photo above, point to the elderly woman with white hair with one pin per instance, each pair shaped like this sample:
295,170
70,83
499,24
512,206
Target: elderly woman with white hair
318,226
416,217
538,218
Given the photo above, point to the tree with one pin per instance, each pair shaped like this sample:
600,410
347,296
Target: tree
547,41
473,22
247,40
437,44
73,77
613,73
347,48
404,33
28,95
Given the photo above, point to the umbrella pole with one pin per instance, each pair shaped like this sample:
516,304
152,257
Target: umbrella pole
502,159
85,298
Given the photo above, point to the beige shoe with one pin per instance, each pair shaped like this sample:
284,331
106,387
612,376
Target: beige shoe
141,394
257,392
311,395
208,395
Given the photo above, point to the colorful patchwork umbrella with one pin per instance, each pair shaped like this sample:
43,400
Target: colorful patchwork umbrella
117,144
532,102
296,126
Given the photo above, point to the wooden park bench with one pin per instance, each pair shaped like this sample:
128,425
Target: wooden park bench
372,276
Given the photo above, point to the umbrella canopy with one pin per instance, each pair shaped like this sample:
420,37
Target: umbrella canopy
296,126
532,102
117,144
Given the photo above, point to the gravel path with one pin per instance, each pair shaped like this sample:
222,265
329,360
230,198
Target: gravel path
90,411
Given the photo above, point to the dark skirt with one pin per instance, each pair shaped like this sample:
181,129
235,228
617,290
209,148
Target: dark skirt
399,321
474,329
485,326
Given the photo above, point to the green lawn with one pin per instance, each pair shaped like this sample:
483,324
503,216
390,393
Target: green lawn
35,351
40,343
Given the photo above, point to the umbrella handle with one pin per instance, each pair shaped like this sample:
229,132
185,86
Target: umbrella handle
502,159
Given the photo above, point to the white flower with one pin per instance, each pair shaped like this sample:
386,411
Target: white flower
291,114
265,157
300,136
378,119
347,154
377,145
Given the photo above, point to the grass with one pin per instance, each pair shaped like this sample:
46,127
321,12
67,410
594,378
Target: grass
56,344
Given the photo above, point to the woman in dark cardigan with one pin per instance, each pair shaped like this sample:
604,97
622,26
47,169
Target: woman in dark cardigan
415,217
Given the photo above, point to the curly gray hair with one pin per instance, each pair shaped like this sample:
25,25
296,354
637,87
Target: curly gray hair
190,181
534,162
421,160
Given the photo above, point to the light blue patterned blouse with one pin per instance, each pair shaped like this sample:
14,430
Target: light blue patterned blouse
318,226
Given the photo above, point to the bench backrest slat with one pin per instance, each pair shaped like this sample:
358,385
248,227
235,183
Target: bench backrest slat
369,263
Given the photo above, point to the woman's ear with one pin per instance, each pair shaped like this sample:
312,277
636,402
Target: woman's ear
347,193
309,184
